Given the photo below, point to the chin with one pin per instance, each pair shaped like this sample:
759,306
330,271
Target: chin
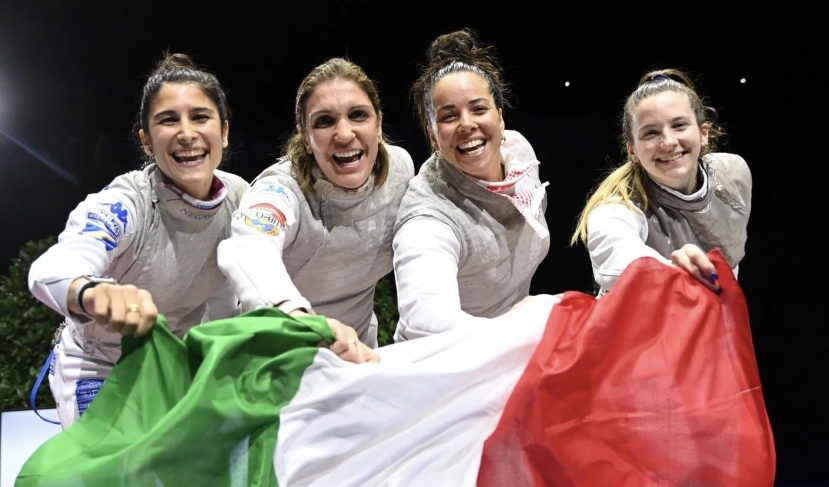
351,181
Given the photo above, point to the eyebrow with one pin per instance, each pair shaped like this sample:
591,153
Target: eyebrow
449,106
651,125
167,113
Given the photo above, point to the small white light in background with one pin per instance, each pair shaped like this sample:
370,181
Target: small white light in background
742,80
566,83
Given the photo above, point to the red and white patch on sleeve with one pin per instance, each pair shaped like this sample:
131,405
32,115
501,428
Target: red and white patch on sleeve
266,218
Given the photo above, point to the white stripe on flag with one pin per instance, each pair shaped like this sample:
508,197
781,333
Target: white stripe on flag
419,417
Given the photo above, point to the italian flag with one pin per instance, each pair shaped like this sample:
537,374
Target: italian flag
654,384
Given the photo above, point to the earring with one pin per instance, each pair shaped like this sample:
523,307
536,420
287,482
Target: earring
503,138
437,155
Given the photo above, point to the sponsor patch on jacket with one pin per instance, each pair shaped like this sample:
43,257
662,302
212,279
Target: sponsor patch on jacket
85,391
265,218
273,188
107,223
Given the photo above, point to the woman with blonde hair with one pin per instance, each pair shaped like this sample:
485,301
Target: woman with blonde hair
674,198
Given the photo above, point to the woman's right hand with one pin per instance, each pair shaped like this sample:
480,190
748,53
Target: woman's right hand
120,309
694,261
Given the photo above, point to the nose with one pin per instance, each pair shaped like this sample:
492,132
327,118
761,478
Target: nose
344,131
466,123
668,139
187,133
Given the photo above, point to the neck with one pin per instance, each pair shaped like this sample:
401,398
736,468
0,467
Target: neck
201,192
692,183
493,175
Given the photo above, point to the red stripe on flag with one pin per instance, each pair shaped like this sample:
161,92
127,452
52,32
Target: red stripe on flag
654,384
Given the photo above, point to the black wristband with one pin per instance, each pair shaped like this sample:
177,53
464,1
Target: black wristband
79,299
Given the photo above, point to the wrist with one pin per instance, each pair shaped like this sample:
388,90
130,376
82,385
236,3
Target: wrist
297,305
84,284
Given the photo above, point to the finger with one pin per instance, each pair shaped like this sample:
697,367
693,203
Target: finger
359,351
703,263
355,352
88,300
681,259
705,268
341,336
149,312
100,308
132,306
118,300
370,355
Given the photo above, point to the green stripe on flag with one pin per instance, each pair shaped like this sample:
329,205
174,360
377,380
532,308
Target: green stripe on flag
199,411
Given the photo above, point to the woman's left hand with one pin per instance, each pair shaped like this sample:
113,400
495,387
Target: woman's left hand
694,261
346,344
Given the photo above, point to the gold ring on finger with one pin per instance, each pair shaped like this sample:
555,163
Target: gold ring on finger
133,308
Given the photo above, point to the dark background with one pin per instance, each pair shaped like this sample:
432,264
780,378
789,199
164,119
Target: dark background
71,75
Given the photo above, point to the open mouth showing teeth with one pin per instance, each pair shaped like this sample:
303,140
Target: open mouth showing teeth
670,158
473,147
189,157
347,157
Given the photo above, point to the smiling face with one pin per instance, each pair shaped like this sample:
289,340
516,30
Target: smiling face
468,126
186,137
343,132
667,140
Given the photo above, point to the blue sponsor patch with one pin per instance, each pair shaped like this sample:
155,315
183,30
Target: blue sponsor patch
106,222
85,391
52,362
273,188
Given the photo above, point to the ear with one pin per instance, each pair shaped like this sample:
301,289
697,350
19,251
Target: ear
225,132
631,153
145,142
703,134
380,126
433,139
304,137
501,120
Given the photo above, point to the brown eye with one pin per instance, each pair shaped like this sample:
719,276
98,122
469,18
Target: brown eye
323,121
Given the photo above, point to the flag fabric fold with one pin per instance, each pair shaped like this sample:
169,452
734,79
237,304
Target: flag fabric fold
653,384
202,411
